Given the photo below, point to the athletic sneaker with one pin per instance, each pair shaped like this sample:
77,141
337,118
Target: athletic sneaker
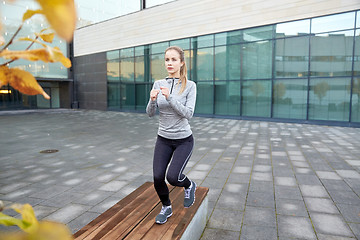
164,214
189,198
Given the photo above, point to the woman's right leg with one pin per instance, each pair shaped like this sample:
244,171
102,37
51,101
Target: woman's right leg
162,156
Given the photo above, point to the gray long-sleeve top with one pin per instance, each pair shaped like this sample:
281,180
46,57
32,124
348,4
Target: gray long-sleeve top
175,111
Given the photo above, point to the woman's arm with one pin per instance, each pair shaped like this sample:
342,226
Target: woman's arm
187,110
151,107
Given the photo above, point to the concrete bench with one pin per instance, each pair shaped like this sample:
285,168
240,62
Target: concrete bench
134,217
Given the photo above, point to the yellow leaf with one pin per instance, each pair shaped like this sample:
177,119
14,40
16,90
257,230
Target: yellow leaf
3,79
29,220
53,231
47,54
29,13
49,37
57,56
24,82
61,14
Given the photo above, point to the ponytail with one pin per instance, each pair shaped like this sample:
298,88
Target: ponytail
183,68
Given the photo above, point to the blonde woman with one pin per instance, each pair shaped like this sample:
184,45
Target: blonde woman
175,98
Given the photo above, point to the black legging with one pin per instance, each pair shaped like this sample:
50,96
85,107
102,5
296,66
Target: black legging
180,150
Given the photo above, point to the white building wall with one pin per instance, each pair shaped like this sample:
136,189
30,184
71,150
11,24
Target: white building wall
187,18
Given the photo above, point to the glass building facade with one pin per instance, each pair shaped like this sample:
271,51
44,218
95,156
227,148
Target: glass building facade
296,71
52,76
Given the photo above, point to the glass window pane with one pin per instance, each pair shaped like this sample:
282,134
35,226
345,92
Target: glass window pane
331,54
113,70
355,108
203,41
357,53
142,96
127,52
358,20
183,43
113,95
257,60
113,55
127,69
329,99
258,34
159,47
256,98
204,98
227,98
139,69
295,28
205,64
292,57
333,22
232,37
127,94
227,62
290,98
158,70
151,3
142,50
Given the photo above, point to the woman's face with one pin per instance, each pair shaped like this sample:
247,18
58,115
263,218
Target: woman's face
173,63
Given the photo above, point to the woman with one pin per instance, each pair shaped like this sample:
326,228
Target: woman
175,98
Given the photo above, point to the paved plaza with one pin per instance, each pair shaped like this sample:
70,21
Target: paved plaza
267,180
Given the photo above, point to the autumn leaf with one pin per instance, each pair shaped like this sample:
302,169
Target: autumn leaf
61,15
24,82
3,80
29,13
49,37
30,223
47,54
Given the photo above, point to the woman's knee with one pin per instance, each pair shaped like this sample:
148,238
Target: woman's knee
173,180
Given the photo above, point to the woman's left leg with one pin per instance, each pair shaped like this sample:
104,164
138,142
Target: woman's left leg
178,163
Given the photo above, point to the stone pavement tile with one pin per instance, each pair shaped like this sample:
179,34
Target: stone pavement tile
291,207
322,205
313,191
92,198
22,193
285,181
76,224
241,169
344,197
300,164
62,199
216,234
213,182
262,168
331,225
337,185
261,176
355,227
226,219
50,192
285,192
32,201
351,213
283,171
199,175
113,186
43,211
249,232
290,227
260,199
105,205
261,186
214,194
238,178
328,175
308,179
235,201
329,237
257,216
13,186
348,174
219,173
68,213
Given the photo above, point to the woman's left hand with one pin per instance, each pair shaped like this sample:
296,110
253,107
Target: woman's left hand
165,92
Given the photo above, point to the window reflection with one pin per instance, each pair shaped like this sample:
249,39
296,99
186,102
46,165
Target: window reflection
333,22
256,98
293,28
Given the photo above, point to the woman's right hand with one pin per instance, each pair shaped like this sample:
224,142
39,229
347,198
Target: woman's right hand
153,94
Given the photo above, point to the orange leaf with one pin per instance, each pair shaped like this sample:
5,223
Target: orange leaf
61,14
47,54
49,37
24,82
29,13
3,79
